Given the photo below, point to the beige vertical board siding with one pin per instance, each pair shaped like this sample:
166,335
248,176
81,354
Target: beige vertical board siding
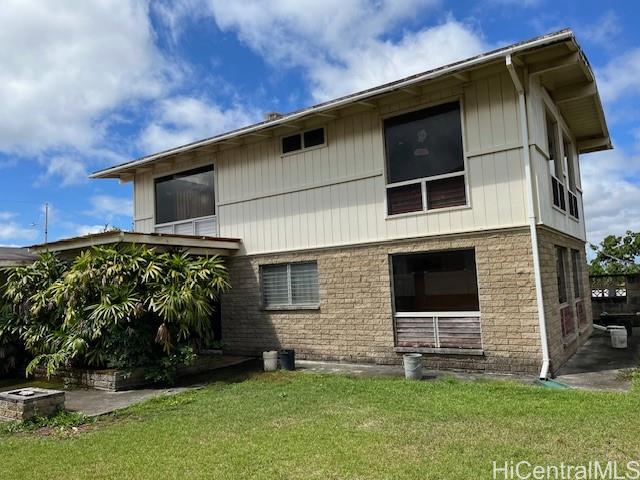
335,195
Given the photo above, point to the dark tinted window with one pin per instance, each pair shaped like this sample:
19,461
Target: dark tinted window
435,282
447,192
291,143
424,143
185,195
313,138
561,265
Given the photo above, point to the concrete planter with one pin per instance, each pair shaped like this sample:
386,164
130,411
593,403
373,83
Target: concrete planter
113,380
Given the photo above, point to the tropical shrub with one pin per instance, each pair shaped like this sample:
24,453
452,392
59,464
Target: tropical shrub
114,307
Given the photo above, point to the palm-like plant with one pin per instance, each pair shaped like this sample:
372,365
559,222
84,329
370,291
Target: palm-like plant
99,310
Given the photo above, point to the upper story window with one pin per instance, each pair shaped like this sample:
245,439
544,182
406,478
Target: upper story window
303,140
555,162
569,160
425,160
185,195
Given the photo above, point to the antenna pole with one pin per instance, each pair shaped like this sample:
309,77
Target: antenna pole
46,222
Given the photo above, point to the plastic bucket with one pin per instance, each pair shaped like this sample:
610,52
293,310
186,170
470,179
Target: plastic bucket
287,359
270,359
412,366
618,336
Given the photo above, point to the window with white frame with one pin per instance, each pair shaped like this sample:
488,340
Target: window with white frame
425,160
555,162
572,190
303,140
185,203
290,285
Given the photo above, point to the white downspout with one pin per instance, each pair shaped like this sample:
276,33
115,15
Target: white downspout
524,128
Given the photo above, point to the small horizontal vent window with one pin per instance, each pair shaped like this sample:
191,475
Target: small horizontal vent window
290,285
303,140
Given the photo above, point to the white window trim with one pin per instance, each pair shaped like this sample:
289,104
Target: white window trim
172,171
425,209
189,220
303,149
290,305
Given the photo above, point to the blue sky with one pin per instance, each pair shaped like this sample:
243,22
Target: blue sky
85,85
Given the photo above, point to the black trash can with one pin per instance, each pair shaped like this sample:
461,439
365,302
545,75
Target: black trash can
287,359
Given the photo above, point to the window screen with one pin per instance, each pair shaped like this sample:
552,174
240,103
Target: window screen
185,195
435,282
447,192
424,143
291,143
561,265
576,268
314,138
293,284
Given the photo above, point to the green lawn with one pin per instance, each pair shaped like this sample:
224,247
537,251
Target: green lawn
310,426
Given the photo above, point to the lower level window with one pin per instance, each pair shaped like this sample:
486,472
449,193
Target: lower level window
436,300
290,285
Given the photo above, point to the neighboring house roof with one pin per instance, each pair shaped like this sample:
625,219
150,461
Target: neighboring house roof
193,244
11,257
576,89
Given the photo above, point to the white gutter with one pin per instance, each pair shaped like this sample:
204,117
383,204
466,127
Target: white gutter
349,99
533,221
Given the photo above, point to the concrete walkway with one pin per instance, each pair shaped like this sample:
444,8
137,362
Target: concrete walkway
370,370
598,366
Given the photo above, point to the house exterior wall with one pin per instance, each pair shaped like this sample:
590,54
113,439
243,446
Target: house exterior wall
548,214
335,195
560,349
355,319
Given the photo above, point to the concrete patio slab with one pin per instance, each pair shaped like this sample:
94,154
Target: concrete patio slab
371,370
598,366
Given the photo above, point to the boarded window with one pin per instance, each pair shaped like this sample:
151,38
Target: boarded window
435,282
404,199
290,285
447,192
185,195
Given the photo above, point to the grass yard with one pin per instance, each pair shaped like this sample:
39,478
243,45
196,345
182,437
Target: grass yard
303,426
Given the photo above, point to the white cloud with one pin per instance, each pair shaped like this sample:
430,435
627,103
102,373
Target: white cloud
14,231
621,76
611,193
181,120
67,64
66,169
343,46
604,31
107,207
81,230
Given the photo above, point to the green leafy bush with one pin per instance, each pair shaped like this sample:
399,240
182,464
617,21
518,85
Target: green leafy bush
113,307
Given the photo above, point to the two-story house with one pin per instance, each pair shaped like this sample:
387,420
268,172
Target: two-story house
441,213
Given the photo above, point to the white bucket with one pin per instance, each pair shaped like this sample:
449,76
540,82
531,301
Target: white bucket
270,361
618,336
412,366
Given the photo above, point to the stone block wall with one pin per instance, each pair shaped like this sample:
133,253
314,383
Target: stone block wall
560,349
354,322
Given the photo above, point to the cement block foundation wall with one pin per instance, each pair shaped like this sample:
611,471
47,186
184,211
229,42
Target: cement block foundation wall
355,320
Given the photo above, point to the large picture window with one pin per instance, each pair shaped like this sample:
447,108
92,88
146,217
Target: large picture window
185,195
435,282
423,149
